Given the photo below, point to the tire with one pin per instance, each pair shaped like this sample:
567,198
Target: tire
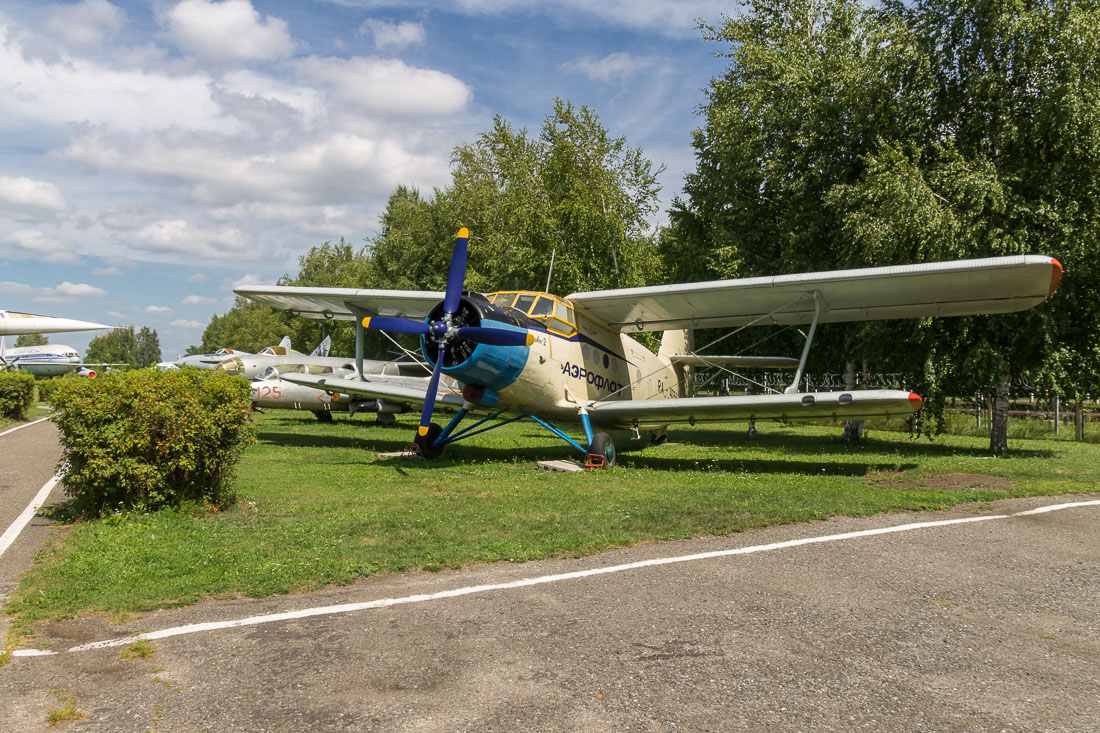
323,416
602,445
424,442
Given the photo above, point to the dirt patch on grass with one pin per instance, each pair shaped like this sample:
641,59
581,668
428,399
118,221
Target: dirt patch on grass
943,481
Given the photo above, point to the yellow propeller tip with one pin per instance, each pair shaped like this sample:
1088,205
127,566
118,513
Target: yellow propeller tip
530,339
366,322
463,233
422,430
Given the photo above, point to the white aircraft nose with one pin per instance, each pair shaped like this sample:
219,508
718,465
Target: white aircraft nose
13,324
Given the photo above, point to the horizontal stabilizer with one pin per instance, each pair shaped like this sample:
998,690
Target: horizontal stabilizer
742,362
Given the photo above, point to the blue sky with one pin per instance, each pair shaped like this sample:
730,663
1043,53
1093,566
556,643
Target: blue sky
154,154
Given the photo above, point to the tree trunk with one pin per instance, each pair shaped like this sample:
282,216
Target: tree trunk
998,429
853,429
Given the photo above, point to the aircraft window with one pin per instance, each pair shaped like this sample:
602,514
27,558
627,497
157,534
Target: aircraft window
543,307
523,302
563,312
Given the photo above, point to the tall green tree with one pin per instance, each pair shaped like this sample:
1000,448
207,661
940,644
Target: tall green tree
938,129
124,346
31,339
574,190
247,326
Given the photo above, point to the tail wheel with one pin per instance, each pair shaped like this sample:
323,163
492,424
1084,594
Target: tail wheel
426,443
602,445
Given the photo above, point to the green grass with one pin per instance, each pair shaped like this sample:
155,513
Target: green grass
317,506
32,414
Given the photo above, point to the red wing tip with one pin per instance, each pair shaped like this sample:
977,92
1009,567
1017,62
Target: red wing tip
915,401
1056,276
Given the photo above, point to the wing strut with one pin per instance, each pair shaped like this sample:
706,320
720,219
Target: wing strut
806,347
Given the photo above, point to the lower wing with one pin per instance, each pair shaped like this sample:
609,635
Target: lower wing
852,405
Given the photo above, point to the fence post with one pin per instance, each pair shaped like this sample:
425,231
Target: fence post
978,408
1057,414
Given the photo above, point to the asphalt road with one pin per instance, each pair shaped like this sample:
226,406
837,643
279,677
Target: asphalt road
986,625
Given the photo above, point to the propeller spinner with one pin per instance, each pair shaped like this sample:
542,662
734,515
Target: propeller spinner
447,333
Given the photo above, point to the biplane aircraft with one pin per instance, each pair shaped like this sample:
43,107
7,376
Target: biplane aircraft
533,355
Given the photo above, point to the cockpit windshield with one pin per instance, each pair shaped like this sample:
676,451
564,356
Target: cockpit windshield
556,313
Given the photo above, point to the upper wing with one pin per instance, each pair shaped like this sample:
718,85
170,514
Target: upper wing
965,287
837,405
334,303
395,389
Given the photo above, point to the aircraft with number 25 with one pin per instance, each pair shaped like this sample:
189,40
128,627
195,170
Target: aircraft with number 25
533,355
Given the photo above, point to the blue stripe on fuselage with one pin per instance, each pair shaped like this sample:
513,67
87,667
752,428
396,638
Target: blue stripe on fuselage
580,338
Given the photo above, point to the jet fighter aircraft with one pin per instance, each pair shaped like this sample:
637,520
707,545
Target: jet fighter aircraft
534,355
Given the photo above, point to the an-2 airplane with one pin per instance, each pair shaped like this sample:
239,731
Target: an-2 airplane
534,355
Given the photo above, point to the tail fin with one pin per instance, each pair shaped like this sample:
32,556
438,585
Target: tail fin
679,342
323,347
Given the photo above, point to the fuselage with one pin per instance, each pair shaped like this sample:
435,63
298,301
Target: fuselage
48,360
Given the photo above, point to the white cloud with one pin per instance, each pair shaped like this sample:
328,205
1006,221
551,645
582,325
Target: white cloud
85,24
178,237
386,87
198,300
249,279
184,323
75,91
28,197
106,271
393,35
613,66
157,309
64,292
228,31
118,316
34,244
75,290
198,278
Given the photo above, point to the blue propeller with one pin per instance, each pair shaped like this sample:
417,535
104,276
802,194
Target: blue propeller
443,330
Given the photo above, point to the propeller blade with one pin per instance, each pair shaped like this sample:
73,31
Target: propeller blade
429,401
495,336
395,325
456,276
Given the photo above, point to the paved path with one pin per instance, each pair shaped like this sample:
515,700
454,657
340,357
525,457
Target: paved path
28,459
983,625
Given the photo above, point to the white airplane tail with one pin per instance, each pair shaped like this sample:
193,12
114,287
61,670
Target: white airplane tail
323,347
678,342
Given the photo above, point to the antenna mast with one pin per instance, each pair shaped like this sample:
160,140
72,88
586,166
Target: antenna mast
552,253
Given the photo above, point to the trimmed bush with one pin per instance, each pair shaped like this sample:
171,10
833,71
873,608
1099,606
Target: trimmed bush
47,387
16,394
145,440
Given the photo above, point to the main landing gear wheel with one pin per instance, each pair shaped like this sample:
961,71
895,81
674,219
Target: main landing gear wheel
424,442
602,445
323,416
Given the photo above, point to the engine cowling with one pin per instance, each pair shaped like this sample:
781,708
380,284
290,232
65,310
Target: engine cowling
483,365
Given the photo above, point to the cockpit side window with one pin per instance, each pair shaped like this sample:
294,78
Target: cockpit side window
564,312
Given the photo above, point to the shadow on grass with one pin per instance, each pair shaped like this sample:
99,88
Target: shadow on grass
708,445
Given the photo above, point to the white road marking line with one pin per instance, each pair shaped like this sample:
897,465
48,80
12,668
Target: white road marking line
23,519
24,425
470,590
